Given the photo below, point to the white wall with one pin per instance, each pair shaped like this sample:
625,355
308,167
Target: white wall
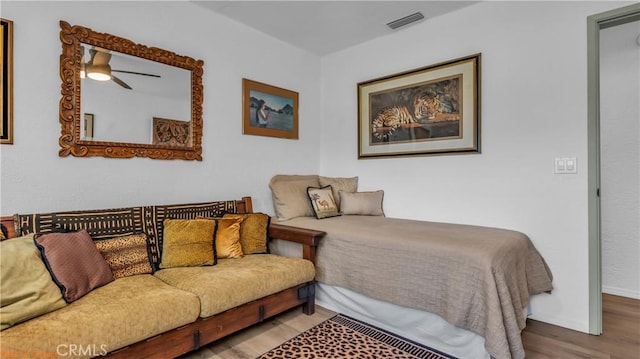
35,178
534,108
620,159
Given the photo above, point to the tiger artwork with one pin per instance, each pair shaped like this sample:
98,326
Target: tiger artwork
432,109
427,108
391,118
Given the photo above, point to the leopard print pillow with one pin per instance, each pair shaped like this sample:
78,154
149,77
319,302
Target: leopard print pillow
126,255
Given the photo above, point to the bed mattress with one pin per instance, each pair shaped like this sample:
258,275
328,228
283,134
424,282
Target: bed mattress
476,278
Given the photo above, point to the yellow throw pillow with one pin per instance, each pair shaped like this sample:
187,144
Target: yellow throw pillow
227,238
25,283
253,232
188,243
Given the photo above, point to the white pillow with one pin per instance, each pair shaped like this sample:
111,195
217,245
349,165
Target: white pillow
347,184
362,203
290,199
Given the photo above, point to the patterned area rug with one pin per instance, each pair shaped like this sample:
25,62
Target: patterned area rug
345,337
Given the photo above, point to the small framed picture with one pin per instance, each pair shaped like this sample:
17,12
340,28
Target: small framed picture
88,126
269,111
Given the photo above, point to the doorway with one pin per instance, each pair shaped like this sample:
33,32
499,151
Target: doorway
595,24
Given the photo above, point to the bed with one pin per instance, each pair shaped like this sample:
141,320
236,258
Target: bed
475,278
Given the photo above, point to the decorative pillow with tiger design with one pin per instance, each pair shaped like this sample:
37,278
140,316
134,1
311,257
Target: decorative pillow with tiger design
126,255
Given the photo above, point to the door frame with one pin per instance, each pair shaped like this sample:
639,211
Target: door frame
595,23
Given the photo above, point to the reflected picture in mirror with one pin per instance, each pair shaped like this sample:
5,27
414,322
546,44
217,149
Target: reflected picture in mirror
87,127
171,132
128,93
125,88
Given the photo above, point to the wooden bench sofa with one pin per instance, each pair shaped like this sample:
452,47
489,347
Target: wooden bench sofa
187,337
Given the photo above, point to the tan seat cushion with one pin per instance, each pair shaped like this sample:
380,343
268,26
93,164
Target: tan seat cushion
120,313
233,282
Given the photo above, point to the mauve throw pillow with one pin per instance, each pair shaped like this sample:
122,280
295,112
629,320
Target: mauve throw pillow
75,264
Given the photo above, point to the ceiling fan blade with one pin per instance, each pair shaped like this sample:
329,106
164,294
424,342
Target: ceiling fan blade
120,82
92,53
101,58
135,73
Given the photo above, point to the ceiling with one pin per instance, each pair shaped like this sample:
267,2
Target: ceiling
323,27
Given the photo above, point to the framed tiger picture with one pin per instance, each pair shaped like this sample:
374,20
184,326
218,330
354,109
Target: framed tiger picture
432,110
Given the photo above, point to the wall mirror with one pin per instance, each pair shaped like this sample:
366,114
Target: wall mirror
121,99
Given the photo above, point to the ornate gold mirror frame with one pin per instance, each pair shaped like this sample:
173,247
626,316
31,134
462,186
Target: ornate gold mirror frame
71,59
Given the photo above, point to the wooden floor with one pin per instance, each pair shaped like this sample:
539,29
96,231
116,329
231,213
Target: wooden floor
620,338
261,338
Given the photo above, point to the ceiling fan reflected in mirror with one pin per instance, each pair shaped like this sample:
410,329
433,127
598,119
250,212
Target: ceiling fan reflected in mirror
98,68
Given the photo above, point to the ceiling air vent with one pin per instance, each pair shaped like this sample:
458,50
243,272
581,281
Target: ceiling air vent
405,20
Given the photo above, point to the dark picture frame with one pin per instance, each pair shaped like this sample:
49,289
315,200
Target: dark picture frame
432,110
280,110
88,126
6,37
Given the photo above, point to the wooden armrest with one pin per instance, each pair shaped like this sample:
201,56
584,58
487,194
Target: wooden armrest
309,238
8,223
305,236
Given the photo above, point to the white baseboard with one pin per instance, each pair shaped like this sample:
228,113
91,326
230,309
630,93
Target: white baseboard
621,292
569,323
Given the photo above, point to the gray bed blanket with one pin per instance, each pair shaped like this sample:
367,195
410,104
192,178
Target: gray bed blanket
476,278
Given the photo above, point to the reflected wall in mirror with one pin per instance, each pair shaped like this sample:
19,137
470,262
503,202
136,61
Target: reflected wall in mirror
127,102
124,86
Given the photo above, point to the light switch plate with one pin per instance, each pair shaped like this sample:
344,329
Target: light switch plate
565,165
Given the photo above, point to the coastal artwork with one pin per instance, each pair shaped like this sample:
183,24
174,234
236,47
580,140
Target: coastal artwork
279,110
269,110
